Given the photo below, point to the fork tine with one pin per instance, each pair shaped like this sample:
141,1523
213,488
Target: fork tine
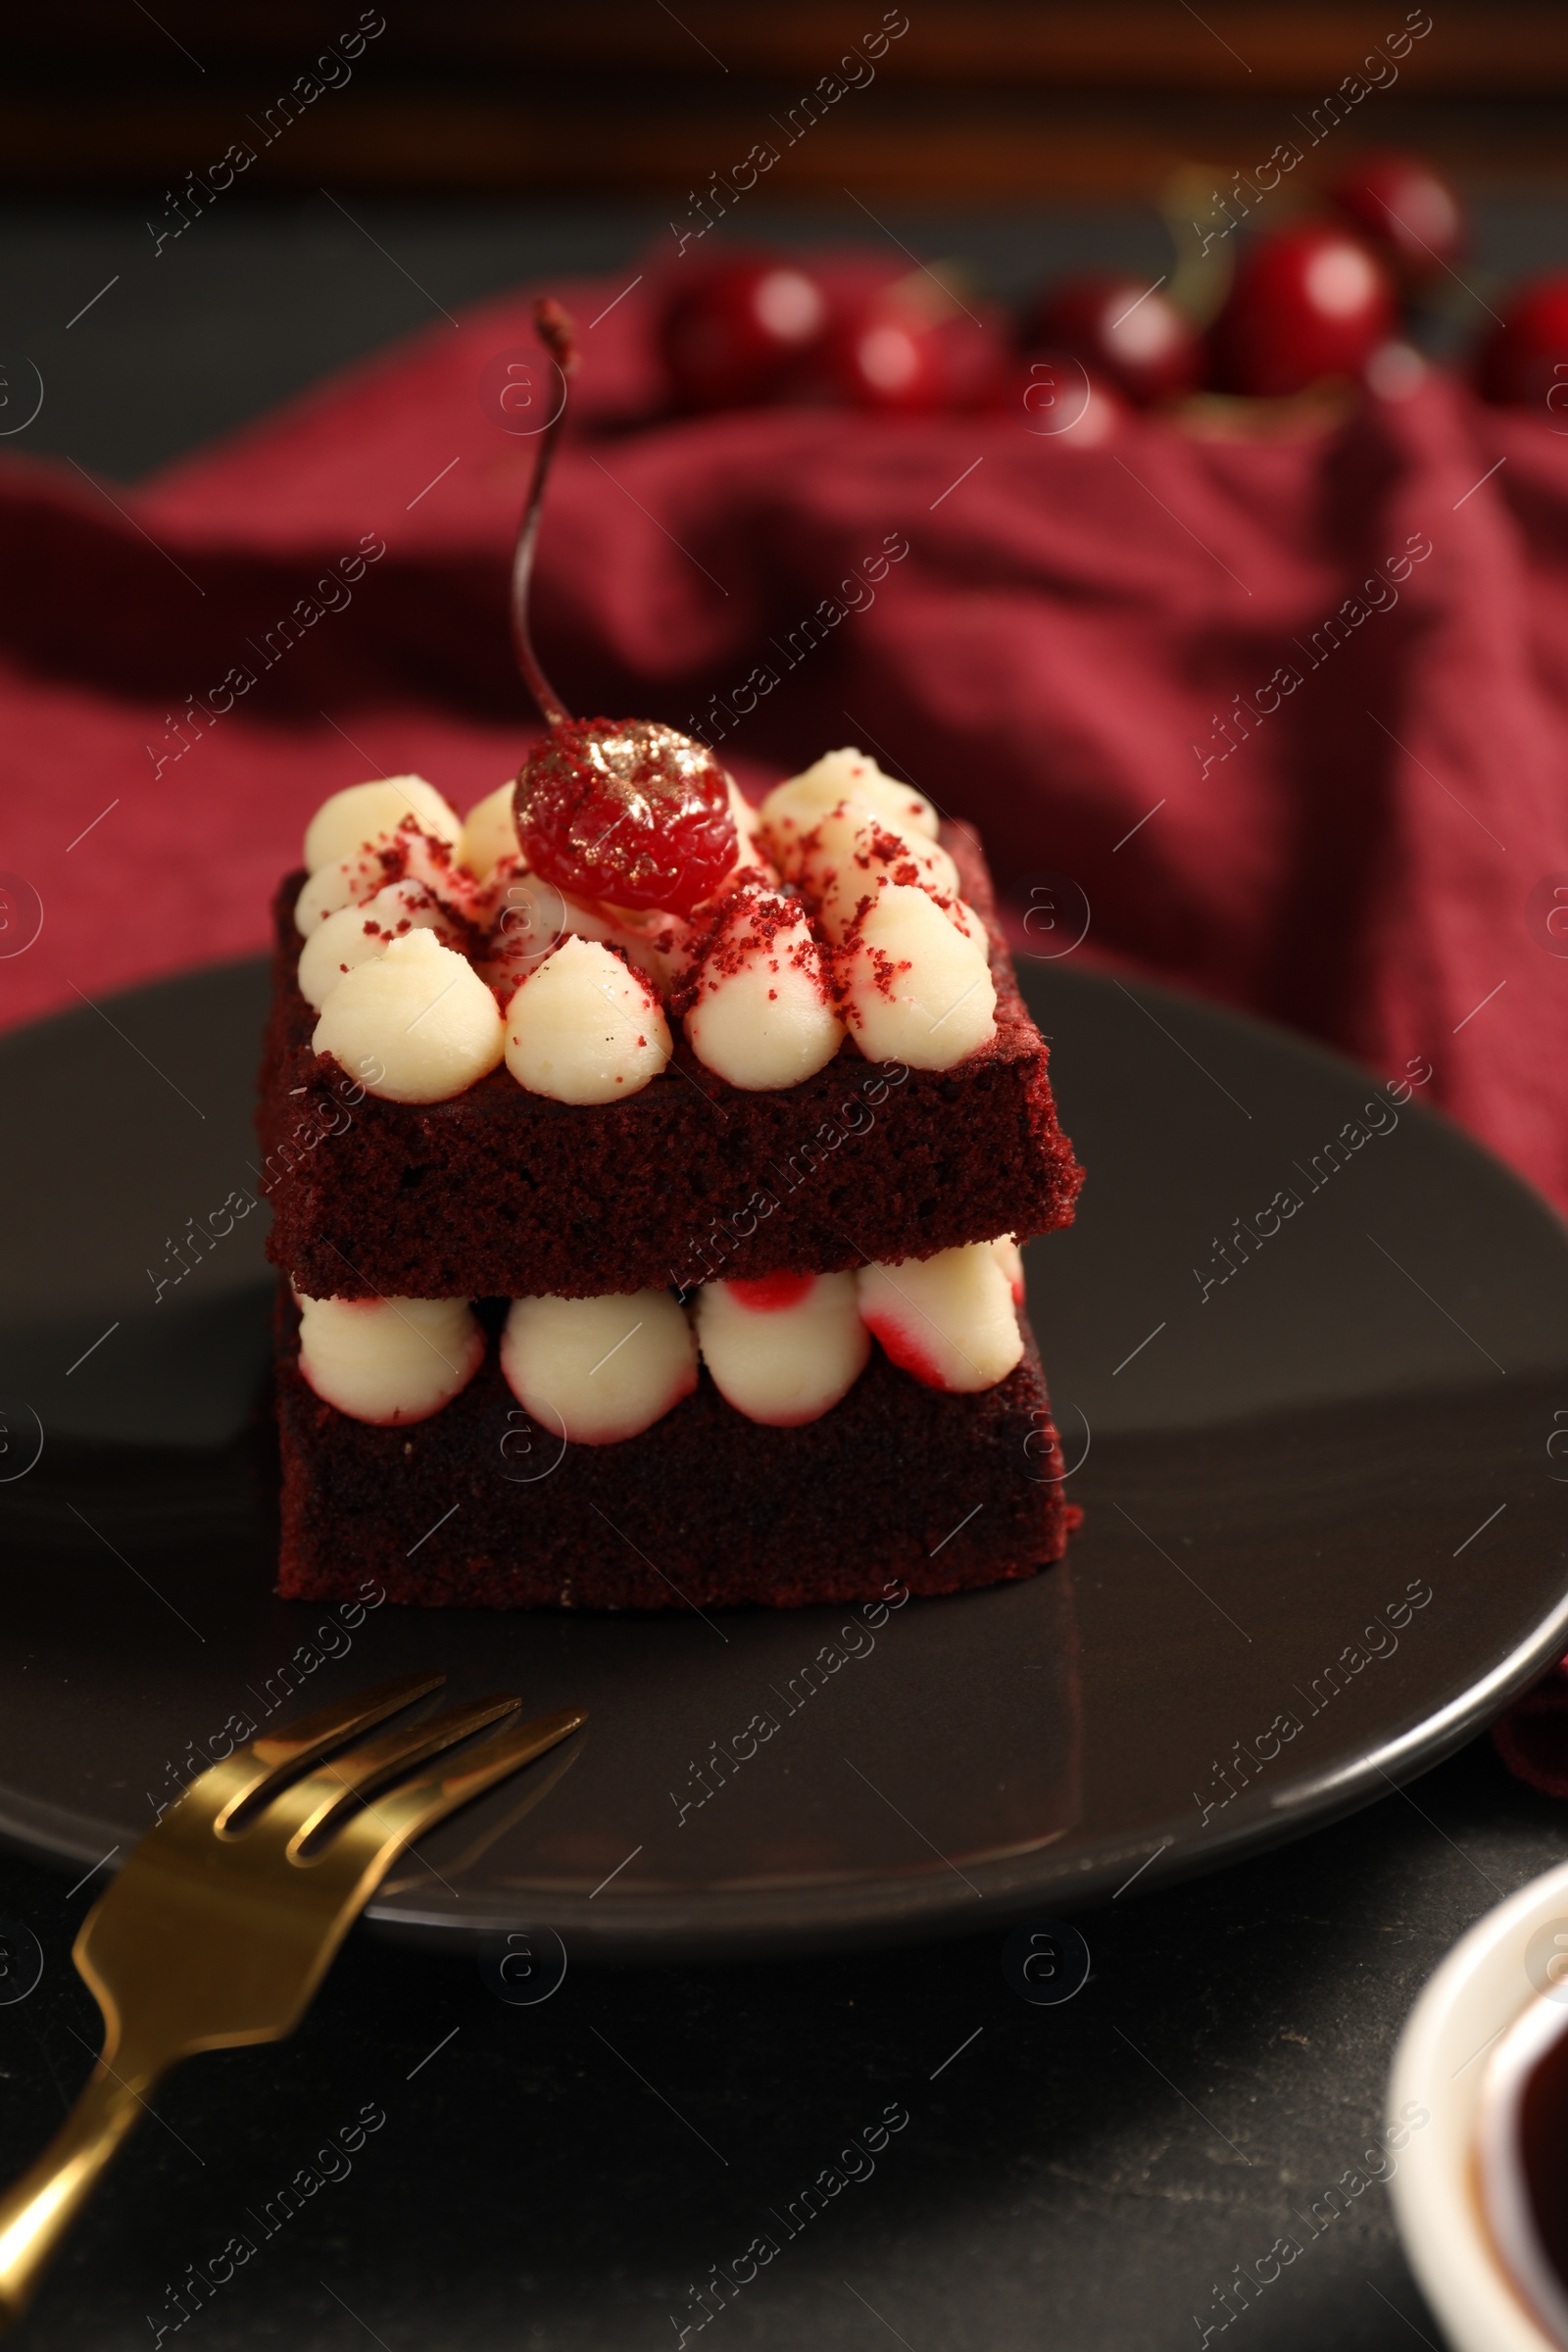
416,1806
313,1734
356,1773
278,1753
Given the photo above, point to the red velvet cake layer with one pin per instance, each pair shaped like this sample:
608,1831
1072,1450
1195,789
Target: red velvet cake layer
897,1482
502,1193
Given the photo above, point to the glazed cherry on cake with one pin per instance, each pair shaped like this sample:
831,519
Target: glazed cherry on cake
627,812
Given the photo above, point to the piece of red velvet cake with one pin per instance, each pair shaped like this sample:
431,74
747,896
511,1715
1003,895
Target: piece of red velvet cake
648,1173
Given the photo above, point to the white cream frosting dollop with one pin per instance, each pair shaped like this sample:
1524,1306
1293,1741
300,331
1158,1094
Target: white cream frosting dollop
347,882
659,945
850,856
355,934
527,916
404,854
599,1369
921,991
420,1013
792,809
489,833
365,813
583,1028
783,1349
1010,1258
761,1017
388,1359
949,1319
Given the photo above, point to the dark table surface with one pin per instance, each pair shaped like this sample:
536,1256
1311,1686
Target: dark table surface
564,2174
558,2177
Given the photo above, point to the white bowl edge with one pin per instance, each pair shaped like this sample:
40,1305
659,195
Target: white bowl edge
1440,2064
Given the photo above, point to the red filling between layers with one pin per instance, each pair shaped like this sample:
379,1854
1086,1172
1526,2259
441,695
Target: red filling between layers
771,1293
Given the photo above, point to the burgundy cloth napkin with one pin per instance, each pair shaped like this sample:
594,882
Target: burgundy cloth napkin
1293,714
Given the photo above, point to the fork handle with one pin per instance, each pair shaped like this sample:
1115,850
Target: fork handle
38,2209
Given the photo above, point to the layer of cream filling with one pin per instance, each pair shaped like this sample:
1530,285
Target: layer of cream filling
388,1359
783,1349
950,1320
596,1370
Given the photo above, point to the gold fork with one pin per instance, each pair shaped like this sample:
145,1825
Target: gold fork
222,1924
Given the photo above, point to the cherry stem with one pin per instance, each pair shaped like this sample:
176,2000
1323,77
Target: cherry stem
554,331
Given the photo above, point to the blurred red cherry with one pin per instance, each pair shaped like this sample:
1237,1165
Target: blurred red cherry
1307,303
736,331
1525,360
1396,371
898,352
885,360
1057,397
1410,216
1128,332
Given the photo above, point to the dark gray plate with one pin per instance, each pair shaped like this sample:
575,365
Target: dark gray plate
1323,1539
